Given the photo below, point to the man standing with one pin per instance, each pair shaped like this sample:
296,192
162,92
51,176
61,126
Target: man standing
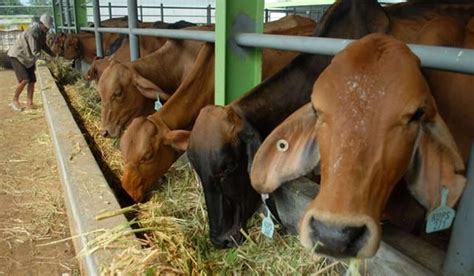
23,55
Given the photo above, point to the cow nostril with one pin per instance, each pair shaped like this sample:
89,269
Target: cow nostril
104,133
338,241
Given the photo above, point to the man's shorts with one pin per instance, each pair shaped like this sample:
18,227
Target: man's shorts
23,73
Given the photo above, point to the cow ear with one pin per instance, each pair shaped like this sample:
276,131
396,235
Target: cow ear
147,88
289,152
436,163
177,139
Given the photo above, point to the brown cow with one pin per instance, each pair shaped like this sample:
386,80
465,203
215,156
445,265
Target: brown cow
120,49
82,44
159,72
372,120
148,44
150,146
167,68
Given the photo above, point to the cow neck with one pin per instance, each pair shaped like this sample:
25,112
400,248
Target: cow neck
196,91
162,67
268,104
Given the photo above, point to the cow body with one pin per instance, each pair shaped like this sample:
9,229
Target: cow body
221,132
164,145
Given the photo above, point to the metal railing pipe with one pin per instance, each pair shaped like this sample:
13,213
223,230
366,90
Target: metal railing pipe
207,36
208,14
98,35
162,12
106,30
132,24
110,10
67,28
459,258
444,58
67,13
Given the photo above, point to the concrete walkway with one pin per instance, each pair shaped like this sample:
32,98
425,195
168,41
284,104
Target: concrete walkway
32,211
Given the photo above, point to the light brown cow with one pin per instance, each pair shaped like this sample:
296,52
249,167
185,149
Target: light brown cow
151,145
372,120
166,68
148,44
128,90
82,44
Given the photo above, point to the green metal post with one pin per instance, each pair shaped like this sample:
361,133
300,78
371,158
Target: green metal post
56,15
237,69
80,14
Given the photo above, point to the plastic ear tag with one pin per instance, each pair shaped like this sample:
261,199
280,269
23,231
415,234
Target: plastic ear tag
442,217
268,227
158,104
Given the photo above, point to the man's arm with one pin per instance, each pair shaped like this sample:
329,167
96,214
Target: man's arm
48,50
34,45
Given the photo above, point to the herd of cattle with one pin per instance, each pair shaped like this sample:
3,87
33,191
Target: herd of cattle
365,124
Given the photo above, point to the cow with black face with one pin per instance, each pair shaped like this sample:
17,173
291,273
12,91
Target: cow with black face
225,139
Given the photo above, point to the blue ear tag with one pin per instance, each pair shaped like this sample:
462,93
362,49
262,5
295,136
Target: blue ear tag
158,104
268,227
442,217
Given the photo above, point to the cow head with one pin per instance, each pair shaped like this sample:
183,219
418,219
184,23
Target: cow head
125,95
97,68
66,45
218,148
371,121
57,43
149,148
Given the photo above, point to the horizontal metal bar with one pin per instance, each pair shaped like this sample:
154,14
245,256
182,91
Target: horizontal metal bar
444,58
106,30
18,6
157,7
67,28
207,36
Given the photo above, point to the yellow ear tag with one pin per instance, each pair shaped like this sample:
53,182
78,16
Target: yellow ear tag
442,217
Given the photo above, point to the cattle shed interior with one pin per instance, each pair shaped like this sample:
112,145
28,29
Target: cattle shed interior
238,41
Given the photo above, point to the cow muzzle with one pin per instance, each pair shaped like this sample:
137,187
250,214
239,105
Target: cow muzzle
339,236
110,132
228,240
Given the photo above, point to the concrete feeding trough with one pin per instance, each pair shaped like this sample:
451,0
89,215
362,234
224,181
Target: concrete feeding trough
86,192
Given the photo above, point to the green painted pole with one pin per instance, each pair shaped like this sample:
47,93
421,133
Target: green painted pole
80,14
237,69
56,15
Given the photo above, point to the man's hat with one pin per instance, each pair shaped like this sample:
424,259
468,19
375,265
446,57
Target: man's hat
47,20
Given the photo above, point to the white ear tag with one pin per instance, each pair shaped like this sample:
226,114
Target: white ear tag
268,227
158,104
442,217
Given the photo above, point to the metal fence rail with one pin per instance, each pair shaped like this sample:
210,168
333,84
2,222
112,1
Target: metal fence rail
444,58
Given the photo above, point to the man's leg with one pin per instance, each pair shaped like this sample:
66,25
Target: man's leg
19,89
31,90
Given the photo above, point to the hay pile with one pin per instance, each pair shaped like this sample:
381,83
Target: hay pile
174,222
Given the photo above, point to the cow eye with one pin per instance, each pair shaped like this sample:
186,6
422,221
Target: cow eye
417,115
147,156
118,93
